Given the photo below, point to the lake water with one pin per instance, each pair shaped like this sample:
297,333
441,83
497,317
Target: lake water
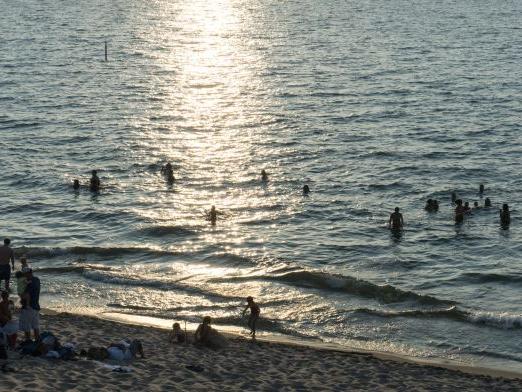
373,104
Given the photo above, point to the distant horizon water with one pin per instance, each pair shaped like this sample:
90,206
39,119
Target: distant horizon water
373,104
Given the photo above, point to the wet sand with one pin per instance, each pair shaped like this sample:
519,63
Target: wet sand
242,366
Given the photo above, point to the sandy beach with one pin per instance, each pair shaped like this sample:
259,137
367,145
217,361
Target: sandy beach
242,366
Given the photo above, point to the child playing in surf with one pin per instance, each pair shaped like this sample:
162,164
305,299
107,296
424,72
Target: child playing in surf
254,315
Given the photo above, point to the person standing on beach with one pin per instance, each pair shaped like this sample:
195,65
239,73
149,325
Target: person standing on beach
396,221
95,182
6,256
254,315
7,324
30,313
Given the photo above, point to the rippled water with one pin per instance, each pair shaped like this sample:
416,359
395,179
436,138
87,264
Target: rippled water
374,104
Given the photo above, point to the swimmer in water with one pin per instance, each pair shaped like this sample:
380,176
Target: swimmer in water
76,185
505,217
396,221
306,190
212,215
453,197
264,176
459,212
487,202
467,208
168,172
95,182
476,205
481,188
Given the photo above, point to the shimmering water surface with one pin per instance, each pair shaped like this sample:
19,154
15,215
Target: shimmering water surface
374,104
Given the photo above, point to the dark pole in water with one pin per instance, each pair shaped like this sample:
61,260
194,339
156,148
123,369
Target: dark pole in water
105,50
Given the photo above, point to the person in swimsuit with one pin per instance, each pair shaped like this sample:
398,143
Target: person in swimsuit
264,176
254,315
459,212
505,217
6,256
396,221
95,182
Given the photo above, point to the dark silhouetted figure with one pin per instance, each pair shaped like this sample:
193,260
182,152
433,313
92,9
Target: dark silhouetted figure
76,185
95,182
459,212
475,205
306,190
168,172
481,188
396,221
487,202
432,205
505,217
254,315
467,208
264,176
453,197
212,215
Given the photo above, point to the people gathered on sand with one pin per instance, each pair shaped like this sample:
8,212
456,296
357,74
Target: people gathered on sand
176,335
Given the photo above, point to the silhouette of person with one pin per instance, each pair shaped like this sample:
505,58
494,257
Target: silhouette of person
396,221
306,190
95,182
76,185
459,212
212,215
264,176
505,217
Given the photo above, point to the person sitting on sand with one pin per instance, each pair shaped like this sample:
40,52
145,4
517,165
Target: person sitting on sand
203,332
95,182
176,335
7,325
505,217
396,221
459,212
254,315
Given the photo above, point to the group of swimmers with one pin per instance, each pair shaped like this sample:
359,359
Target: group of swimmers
94,183
396,221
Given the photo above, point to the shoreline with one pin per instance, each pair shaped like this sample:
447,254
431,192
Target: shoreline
165,324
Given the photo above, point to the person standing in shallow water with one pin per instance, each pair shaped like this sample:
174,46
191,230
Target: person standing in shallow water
254,315
459,212
505,217
306,190
6,256
95,182
76,185
264,176
212,215
396,221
